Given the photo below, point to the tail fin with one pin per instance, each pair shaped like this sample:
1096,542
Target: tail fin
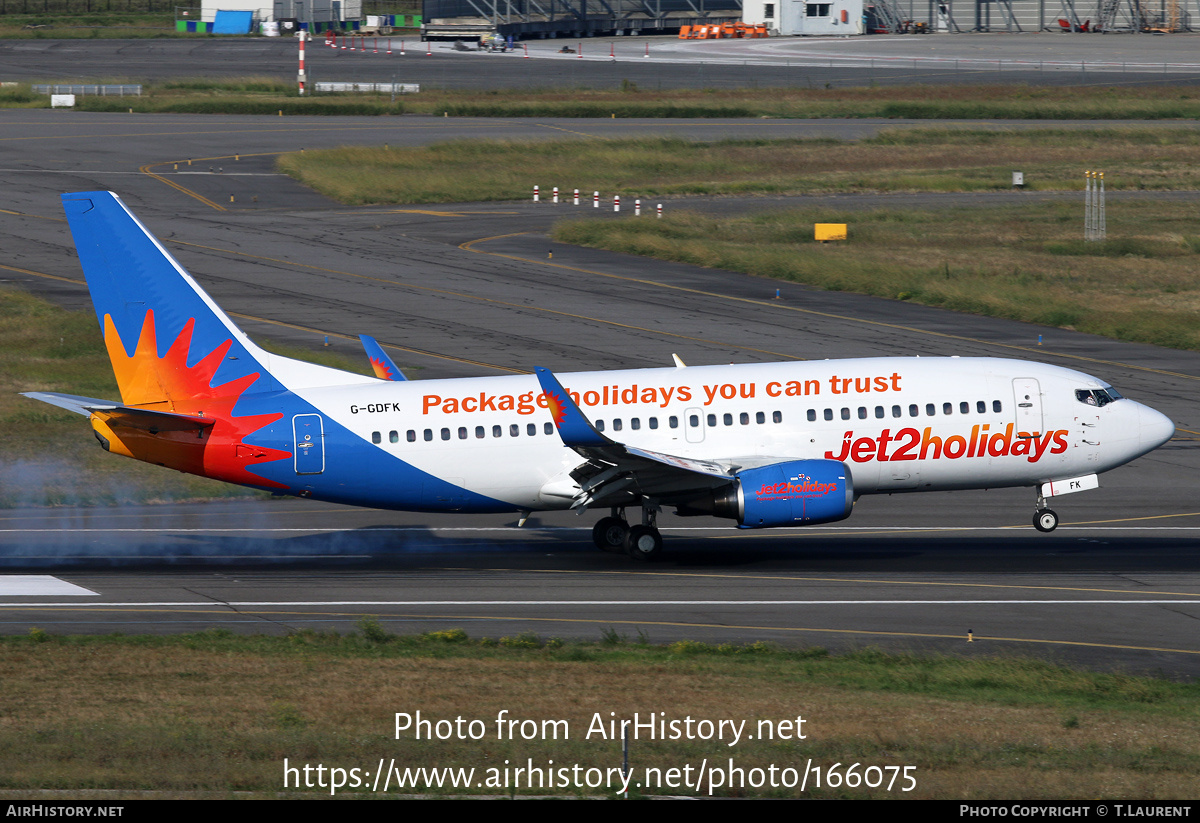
167,339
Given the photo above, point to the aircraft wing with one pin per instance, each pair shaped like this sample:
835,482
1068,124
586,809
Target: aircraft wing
613,471
383,366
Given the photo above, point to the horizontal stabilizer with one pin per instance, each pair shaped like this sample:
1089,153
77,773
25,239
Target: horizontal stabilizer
116,414
71,402
154,421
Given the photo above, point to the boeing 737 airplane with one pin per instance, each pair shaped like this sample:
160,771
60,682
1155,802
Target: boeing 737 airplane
765,444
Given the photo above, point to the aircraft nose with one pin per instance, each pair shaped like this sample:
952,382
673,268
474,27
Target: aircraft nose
1154,428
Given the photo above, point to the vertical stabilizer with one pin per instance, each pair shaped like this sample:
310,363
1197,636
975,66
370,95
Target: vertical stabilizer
166,337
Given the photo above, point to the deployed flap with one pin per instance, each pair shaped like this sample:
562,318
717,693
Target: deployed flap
616,471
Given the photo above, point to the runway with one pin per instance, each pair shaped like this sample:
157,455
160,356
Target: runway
470,289
650,63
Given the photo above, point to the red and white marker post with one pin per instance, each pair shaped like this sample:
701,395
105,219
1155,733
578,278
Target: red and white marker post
302,35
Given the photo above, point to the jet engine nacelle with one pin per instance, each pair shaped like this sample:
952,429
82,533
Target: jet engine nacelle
795,493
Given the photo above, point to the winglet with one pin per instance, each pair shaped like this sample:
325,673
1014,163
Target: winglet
573,427
384,368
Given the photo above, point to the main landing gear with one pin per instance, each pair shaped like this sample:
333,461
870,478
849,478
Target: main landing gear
641,542
1044,520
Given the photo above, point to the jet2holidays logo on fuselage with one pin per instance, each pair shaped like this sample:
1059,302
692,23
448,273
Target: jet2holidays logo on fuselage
911,444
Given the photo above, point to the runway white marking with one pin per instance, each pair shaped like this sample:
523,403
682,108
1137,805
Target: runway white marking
32,585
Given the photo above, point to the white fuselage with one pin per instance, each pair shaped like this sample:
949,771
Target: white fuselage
899,424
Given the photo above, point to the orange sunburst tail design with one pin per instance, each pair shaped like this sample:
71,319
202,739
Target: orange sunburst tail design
168,384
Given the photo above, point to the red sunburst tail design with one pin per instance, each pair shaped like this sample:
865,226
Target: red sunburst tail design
168,384
381,369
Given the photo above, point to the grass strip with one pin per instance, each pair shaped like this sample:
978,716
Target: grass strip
158,713
1026,262
933,159
1001,102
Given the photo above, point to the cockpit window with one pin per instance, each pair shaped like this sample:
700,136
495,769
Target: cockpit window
1097,397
